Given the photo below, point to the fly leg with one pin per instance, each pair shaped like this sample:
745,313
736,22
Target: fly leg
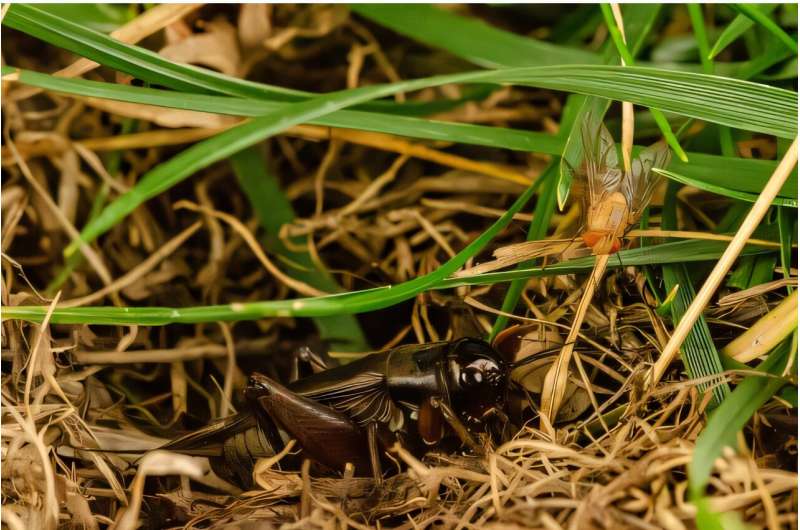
457,425
326,435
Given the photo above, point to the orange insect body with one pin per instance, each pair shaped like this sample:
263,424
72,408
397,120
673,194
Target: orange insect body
616,197
607,222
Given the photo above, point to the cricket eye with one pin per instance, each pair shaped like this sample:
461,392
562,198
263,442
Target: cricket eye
472,376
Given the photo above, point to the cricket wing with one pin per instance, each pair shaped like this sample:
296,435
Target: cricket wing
360,392
208,440
327,435
638,185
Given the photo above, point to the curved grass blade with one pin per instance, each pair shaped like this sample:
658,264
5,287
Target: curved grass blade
681,92
758,16
732,102
138,62
734,412
625,83
151,67
274,210
500,137
622,48
735,29
739,174
353,302
728,172
376,298
724,191
470,38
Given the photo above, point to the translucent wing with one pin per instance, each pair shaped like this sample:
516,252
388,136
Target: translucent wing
638,185
600,162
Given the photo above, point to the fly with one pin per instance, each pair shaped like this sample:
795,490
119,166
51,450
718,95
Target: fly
614,200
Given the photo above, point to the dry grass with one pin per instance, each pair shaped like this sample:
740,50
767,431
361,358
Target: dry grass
378,210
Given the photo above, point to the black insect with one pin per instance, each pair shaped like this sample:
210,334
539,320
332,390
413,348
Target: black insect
416,395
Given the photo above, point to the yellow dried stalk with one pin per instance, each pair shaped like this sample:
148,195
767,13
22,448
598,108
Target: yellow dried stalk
724,264
765,334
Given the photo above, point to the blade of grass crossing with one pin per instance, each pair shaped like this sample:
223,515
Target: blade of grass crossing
627,57
699,355
735,29
734,412
739,175
273,209
639,19
234,139
545,207
787,225
370,299
758,16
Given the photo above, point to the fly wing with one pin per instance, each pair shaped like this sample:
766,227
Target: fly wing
638,185
600,162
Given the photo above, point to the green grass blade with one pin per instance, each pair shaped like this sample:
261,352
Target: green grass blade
732,102
100,17
136,61
469,38
698,353
274,210
503,138
376,298
787,226
153,68
659,117
545,207
639,20
543,212
730,172
731,416
344,303
701,36
757,15
628,84
735,29
780,200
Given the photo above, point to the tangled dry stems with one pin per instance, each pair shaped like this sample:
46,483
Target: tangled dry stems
377,210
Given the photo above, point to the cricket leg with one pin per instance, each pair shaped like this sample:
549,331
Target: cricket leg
374,453
457,425
317,362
